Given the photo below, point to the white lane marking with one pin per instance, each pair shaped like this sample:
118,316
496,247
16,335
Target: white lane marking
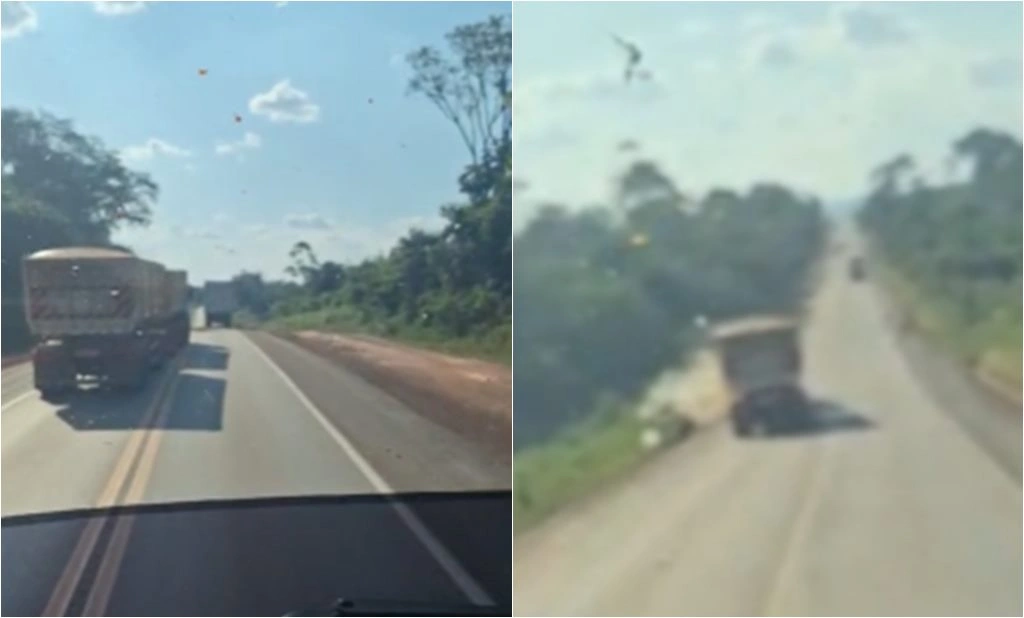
17,400
798,534
458,574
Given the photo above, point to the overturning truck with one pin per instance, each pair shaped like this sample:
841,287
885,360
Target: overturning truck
101,315
761,363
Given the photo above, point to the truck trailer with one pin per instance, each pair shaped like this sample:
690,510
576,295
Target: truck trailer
99,314
180,319
219,302
761,363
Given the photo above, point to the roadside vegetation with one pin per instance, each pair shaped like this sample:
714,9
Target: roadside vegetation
951,252
612,296
452,289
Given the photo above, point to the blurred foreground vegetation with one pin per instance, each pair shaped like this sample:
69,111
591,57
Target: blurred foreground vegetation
612,296
609,297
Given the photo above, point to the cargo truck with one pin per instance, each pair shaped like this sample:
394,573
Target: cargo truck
219,302
99,314
761,364
178,280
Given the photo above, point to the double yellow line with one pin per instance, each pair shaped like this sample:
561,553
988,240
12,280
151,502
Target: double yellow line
126,485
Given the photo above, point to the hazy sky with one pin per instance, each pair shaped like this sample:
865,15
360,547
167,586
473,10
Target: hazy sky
329,149
810,94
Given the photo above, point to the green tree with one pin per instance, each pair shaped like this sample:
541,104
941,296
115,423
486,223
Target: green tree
471,85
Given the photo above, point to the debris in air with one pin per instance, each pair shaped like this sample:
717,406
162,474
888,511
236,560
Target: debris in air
370,100
638,240
238,118
203,72
634,56
628,145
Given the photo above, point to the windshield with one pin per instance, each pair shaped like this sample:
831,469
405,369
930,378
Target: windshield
257,306
682,167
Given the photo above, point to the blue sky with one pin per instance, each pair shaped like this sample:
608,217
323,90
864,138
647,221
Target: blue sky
312,158
810,94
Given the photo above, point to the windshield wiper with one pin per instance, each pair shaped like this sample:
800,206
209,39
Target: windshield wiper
376,607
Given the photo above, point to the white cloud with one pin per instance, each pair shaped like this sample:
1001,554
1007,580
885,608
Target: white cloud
757,21
693,28
285,103
871,26
16,19
256,229
307,221
249,141
152,148
115,7
200,232
997,72
771,50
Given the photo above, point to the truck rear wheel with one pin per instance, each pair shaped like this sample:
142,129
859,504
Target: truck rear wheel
53,392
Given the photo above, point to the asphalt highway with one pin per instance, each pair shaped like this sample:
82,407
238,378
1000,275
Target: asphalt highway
250,476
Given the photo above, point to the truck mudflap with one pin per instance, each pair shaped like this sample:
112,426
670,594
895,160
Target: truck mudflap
118,362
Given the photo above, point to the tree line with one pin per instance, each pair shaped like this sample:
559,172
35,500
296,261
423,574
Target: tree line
451,284
612,295
958,242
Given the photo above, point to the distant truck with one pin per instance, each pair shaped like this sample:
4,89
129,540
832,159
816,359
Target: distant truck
99,314
219,302
761,364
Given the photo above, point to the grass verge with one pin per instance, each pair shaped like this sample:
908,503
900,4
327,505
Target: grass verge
990,348
589,456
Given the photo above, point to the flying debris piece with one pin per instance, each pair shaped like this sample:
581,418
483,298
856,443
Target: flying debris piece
633,57
370,100
628,145
638,240
238,118
203,72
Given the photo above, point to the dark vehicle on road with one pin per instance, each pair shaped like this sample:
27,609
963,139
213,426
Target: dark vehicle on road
761,364
857,268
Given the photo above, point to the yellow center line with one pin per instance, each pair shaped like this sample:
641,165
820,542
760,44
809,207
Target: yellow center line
106,577
72,574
